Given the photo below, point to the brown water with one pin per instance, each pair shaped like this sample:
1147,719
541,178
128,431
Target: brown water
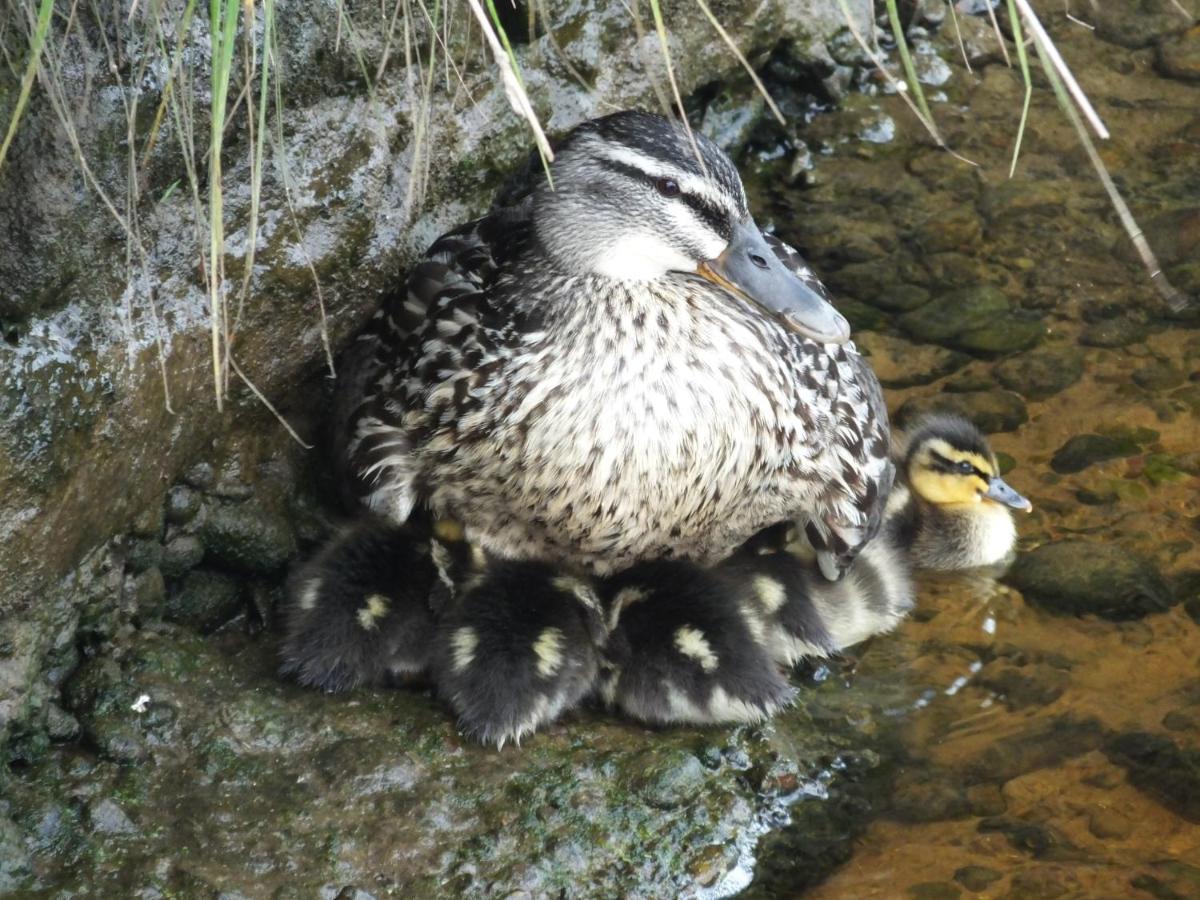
1004,783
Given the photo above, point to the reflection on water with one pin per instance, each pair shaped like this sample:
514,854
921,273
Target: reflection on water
1027,751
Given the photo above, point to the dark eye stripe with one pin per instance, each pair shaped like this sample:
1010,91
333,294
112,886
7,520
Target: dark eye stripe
950,466
709,213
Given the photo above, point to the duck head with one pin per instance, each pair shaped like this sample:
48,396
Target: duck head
635,198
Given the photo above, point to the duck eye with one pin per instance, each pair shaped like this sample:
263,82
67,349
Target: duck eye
668,187
966,468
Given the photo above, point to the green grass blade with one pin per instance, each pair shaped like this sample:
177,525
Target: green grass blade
40,30
910,70
1023,61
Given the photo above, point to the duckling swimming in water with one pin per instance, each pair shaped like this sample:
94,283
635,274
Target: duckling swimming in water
703,650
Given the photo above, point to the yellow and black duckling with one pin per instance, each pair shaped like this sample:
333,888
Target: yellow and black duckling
702,645
617,369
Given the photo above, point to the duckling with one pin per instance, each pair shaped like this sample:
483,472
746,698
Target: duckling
680,652
518,645
359,613
951,511
697,645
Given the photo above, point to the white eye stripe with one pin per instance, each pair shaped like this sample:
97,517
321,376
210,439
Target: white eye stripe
655,168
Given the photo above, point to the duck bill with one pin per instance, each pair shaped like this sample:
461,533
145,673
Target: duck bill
1000,492
749,268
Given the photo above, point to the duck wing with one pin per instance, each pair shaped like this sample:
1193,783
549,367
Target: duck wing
850,508
411,338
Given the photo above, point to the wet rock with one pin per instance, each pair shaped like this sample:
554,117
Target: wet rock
15,862
1085,450
1161,769
182,504
1179,57
1119,332
204,601
1024,687
899,363
1041,884
1158,376
933,890
974,319
107,818
1044,745
1140,23
143,553
992,411
927,795
180,555
1108,824
247,538
986,800
1169,879
60,724
1038,374
1038,840
150,593
1081,577
976,878
202,476
667,780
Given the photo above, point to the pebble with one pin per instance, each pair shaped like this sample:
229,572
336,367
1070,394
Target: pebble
204,601
182,504
1118,332
180,555
933,890
1179,57
1158,376
1139,24
1074,577
1108,824
976,878
106,817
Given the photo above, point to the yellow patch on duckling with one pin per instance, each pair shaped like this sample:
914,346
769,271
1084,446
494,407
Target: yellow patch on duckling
462,648
548,649
934,484
691,642
771,593
376,608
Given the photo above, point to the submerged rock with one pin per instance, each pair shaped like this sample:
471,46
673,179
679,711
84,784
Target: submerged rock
1161,769
1082,577
974,319
1038,374
1085,450
899,363
992,411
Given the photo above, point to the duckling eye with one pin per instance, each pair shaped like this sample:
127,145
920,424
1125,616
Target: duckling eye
668,187
965,468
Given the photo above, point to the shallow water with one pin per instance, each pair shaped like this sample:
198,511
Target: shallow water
1005,772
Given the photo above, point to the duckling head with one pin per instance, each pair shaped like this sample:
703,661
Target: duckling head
950,464
636,198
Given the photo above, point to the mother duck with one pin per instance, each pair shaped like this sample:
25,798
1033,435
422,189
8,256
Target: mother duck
618,366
